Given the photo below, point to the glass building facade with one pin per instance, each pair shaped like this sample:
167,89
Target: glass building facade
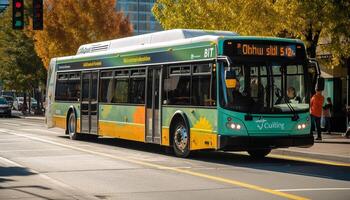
3,5
140,15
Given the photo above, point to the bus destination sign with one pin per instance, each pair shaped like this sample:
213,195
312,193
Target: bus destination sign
244,49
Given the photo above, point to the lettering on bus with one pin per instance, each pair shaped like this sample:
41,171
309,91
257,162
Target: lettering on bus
92,64
138,59
208,52
266,50
264,124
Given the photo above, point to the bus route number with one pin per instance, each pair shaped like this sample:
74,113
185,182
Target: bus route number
208,52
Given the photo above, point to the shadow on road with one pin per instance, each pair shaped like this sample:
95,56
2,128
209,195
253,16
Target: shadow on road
26,189
238,160
14,171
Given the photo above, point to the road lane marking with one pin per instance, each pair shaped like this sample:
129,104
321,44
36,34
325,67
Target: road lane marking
29,150
40,130
311,160
303,159
311,189
29,124
157,166
11,124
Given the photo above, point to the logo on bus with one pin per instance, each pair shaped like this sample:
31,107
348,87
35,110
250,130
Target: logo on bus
208,52
195,56
264,124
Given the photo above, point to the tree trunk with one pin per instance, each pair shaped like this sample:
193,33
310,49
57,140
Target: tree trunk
37,96
312,36
30,103
24,105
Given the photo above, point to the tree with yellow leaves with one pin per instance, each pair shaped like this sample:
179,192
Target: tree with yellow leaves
308,20
71,23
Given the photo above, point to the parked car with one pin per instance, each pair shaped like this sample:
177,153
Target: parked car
5,109
9,100
18,103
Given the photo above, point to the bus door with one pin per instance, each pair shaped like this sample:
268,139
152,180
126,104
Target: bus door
89,103
153,117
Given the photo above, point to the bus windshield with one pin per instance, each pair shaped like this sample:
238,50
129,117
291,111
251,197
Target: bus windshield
266,88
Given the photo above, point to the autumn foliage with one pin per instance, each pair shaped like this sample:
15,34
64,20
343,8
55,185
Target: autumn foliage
71,23
308,20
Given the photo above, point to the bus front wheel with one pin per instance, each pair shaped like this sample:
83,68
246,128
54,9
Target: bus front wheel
71,126
181,140
259,153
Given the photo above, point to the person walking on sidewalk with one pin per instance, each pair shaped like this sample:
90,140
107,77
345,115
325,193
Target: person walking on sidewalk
316,103
327,114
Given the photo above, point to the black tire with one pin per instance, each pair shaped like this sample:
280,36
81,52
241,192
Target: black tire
72,127
181,140
259,153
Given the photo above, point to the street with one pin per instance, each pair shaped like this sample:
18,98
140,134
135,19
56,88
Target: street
41,163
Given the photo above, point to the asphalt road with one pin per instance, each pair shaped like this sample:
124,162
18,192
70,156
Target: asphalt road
40,163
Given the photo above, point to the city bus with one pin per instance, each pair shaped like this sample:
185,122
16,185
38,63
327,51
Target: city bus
188,90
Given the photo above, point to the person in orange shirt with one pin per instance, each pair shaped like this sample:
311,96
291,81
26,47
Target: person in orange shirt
316,104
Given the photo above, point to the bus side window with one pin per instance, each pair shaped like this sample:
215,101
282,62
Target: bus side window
201,80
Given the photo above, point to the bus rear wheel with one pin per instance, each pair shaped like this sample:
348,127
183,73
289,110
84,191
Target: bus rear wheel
259,153
71,127
181,140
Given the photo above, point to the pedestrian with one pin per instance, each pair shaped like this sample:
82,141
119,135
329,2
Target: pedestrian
327,114
316,103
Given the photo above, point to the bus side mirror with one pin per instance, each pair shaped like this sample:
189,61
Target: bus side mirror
314,71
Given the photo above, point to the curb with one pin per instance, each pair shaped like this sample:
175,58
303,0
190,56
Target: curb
34,117
29,117
318,156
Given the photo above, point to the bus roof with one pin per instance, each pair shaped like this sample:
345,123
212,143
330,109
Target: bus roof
149,39
159,41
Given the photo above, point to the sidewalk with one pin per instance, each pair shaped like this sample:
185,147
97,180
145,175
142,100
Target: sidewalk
333,147
18,114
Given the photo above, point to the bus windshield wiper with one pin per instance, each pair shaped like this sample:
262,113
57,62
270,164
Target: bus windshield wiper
286,101
295,115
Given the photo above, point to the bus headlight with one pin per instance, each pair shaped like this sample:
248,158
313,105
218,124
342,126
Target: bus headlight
301,126
233,126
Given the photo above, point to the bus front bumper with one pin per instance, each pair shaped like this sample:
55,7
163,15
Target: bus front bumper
243,143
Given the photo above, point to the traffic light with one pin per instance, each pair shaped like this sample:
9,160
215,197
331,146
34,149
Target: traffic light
38,15
17,14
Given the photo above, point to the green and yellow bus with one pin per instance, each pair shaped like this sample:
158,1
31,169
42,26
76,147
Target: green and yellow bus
186,89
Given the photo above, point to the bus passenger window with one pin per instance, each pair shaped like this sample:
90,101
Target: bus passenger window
137,90
201,90
68,87
177,89
121,91
106,90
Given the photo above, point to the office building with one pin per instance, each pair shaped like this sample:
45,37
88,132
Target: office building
140,15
